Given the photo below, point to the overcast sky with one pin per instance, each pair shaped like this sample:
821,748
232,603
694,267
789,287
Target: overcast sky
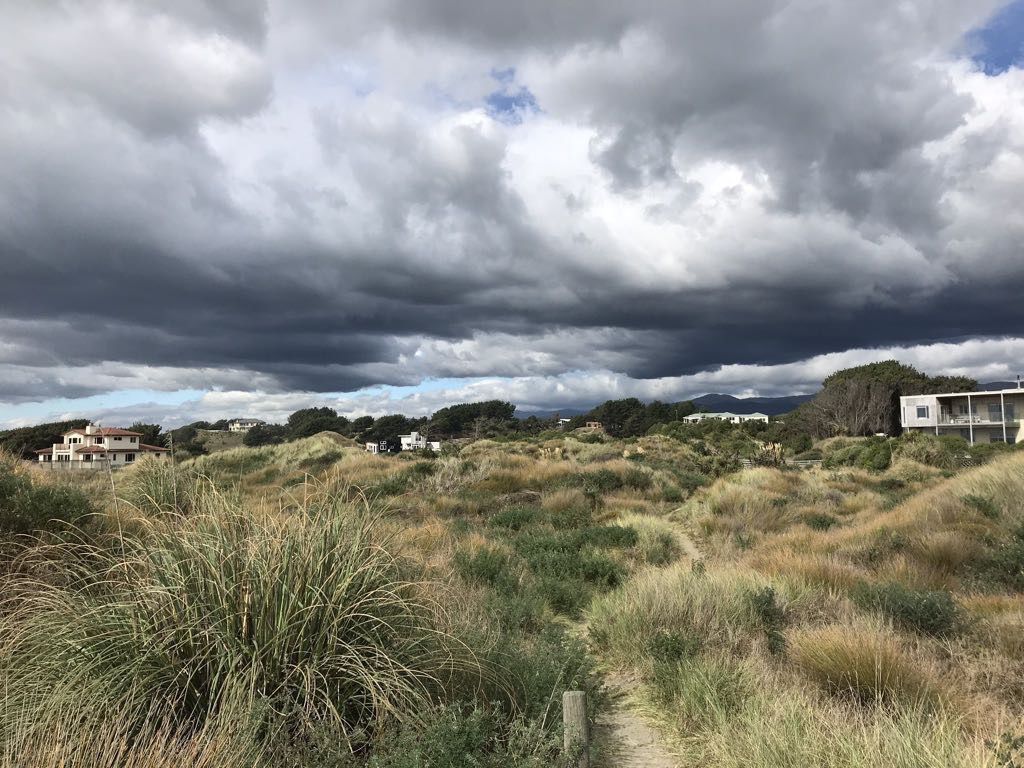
222,207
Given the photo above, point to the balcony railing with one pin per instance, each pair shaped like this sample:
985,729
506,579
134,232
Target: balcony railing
948,420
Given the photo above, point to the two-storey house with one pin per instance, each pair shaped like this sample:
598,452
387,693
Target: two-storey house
97,447
978,417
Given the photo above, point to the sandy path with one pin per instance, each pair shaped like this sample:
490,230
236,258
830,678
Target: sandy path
625,737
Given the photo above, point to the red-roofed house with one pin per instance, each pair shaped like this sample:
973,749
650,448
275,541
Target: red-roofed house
97,448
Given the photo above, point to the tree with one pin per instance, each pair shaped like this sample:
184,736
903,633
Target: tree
389,428
310,421
152,434
264,434
486,417
864,400
361,424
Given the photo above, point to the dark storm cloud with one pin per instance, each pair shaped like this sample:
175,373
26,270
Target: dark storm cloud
325,196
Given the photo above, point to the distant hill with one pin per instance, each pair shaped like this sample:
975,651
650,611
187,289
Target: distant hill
772,406
994,385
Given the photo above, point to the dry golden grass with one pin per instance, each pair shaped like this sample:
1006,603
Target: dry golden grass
868,663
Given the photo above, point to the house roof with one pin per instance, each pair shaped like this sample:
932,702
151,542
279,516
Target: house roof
103,431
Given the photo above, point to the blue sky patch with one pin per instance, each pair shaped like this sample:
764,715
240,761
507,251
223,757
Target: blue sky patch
511,101
999,44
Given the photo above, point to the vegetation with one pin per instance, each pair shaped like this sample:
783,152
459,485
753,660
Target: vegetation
23,441
298,602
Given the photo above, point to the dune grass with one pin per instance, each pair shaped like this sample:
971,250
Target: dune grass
308,618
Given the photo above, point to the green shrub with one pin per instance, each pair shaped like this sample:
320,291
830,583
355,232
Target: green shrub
981,504
668,646
928,612
1005,564
514,518
885,543
461,736
769,614
30,508
607,537
570,517
490,567
820,521
566,596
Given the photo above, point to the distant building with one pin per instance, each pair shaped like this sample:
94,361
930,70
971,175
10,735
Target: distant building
595,425
244,425
978,417
417,442
563,422
732,418
97,448
378,447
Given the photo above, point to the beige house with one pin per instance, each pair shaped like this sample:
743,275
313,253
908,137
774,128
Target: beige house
244,425
97,448
978,417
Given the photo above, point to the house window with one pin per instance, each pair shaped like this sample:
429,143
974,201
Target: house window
131,439
87,457
994,412
118,439
1009,412
129,457
97,441
922,411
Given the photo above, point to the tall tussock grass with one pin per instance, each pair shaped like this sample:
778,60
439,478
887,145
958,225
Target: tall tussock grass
305,622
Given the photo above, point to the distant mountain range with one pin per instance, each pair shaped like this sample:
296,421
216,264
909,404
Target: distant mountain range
772,406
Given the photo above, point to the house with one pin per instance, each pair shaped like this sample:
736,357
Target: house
95,447
732,418
416,442
563,422
978,417
379,447
595,425
244,425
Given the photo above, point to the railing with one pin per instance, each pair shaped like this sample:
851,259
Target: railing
966,421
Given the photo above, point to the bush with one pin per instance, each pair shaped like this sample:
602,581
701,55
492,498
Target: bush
820,521
514,518
490,567
981,504
928,612
31,508
771,617
1005,564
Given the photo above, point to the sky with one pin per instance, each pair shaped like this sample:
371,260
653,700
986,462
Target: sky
218,208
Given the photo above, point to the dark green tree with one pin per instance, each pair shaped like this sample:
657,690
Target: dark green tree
152,434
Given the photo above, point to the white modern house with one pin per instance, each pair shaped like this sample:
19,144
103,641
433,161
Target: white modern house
978,417
417,442
97,448
732,418
244,425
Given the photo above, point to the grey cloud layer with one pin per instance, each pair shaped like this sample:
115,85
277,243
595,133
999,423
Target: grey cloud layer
312,195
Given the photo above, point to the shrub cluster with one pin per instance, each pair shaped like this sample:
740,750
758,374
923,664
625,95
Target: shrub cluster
928,612
31,508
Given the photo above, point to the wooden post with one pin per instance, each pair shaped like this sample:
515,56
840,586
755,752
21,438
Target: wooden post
577,729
